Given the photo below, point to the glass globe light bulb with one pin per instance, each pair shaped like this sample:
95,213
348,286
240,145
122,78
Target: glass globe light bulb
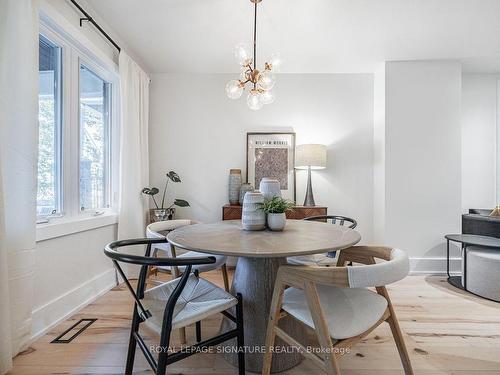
254,101
243,54
267,97
234,89
243,74
266,80
276,62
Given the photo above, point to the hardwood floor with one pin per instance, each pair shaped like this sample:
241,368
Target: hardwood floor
446,331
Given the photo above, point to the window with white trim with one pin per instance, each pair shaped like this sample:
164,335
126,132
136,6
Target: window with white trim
49,119
95,119
77,106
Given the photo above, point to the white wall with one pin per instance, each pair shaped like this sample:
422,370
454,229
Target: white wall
379,155
198,132
422,159
479,131
71,271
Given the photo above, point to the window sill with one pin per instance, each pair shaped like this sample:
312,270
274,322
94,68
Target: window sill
65,226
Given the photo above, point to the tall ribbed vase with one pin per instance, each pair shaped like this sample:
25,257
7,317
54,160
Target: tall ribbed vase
234,186
252,216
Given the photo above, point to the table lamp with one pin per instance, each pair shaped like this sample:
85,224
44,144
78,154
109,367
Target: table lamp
310,156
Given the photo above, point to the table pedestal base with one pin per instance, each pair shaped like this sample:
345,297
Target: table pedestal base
254,278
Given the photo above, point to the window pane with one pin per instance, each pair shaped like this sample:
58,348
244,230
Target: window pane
49,118
95,98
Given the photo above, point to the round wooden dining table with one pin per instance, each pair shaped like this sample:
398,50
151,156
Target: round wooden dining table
260,254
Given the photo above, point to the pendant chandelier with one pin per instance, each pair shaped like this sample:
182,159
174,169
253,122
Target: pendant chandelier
260,82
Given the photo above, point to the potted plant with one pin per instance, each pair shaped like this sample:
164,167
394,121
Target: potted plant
161,212
275,209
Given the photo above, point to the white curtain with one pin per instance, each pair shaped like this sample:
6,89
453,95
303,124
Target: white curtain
134,157
18,170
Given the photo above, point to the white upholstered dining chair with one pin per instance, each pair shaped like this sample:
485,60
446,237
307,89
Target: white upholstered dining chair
161,228
337,305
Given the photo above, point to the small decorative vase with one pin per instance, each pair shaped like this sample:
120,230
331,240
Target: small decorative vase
252,216
276,222
270,188
161,214
243,190
234,186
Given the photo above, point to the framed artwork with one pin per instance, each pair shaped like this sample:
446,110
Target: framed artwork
272,155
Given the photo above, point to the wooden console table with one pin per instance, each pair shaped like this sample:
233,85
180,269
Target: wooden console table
230,212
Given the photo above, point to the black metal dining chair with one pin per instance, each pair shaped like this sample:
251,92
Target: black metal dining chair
334,218
174,304
322,259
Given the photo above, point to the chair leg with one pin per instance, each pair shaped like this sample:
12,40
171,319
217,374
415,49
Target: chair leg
182,335
240,339
164,344
225,277
322,331
274,314
198,331
396,332
132,344
268,355
400,343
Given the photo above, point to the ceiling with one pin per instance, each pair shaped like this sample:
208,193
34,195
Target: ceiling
312,36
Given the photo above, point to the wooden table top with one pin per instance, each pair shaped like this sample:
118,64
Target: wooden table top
299,238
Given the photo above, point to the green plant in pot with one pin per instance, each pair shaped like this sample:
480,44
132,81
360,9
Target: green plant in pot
161,212
275,209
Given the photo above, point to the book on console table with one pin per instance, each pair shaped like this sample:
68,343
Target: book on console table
233,212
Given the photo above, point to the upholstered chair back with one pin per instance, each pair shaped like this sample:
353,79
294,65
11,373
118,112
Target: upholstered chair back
393,267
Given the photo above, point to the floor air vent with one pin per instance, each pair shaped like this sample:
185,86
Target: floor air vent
73,331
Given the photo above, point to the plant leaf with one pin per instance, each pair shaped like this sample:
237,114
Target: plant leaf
150,191
173,176
181,203
276,205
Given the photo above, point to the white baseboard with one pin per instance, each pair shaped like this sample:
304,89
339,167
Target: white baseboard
434,266
59,309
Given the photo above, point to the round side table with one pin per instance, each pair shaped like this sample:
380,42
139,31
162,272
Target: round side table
467,240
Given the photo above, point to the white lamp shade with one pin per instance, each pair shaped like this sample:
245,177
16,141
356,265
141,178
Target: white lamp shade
311,155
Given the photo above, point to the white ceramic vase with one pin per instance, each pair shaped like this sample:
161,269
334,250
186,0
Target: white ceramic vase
252,216
234,186
243,190
276,222
270,188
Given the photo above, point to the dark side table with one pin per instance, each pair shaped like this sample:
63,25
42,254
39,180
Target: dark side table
466,240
